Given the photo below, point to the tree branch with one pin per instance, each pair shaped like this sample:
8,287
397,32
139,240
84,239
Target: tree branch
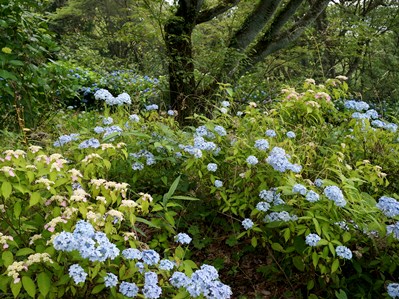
272,43
209,14
253,24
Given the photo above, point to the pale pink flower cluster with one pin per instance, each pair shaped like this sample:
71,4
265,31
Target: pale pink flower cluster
321,95
75,174
79,195
10,153
145,197
4,239
91,157
58,164
9,170
52,224
45,182
15,268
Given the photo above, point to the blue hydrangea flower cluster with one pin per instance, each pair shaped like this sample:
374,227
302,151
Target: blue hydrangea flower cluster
271,196
148,156
134,118
204,281
110,280
312,239
393,229
225,104
92,142
278,159
270,133
183,238
344,252
105,95
318,183
312,196
151,107
335,194
212,167
389,206
150,257
369,114
262,144
151,290
247,223
280,216
263,206
91,245
383,125
166,265
77,273
252,160
393,290
108,121
299,188
64,139
99,130
111,130
132,254
356,105
220,131
291,134
200,143
129,289
218,183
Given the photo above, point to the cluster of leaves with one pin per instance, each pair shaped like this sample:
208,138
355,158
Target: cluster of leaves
26,45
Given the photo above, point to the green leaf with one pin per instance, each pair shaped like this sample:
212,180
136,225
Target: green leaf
145,221
98,288
298,263
341,294
6,189
44,283
317,226
7,75
182,197
34,199
7,258
172,190
24,251
315,259
277,247
179,252
29,286
170,219
17,209
254,241
334,266
346,237
16,288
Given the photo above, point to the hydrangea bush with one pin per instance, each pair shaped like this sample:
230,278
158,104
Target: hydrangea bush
107,207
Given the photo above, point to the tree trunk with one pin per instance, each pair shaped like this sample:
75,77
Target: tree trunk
178,32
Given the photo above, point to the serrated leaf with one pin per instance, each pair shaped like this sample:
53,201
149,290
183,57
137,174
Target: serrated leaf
7,258
335,266
254,241
29,286
98,288
44,283
277,247
24,251
16,288
34,199
298,263
17,209
341,294
6,189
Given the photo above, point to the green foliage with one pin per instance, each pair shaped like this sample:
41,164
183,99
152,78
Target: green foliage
26,45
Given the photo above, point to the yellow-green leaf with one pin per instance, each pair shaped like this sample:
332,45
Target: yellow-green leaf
44,283
29,286
6,189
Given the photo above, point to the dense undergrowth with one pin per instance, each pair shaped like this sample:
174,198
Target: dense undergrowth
294,197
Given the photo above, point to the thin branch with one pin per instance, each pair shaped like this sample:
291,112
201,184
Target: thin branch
209,14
